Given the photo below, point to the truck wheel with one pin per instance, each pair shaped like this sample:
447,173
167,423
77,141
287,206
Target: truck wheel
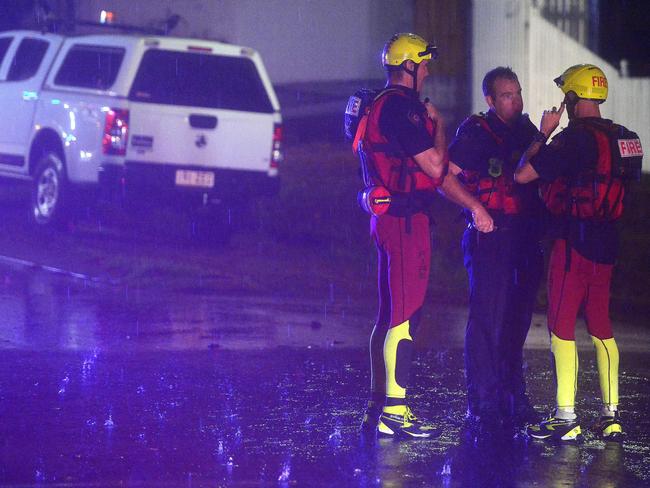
48,191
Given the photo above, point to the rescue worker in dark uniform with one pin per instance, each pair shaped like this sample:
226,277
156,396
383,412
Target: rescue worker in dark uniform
586,166
504,267
403,150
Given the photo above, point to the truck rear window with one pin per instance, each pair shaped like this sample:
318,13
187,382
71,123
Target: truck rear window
200,80
87,66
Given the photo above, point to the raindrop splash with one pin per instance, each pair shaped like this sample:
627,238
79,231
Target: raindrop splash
446,468
285,473
335,437
89,364
109,423
64,384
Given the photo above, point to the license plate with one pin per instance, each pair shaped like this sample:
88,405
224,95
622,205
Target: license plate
188,177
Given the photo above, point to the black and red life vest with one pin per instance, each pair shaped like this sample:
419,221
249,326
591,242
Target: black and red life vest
384,163
495,188
597,193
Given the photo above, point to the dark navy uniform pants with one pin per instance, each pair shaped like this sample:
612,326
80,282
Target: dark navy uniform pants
504,269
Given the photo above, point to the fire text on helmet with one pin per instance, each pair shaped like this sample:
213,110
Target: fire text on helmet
599,81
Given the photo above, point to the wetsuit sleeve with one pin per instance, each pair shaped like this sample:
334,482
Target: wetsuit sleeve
401,122
471,146
567,154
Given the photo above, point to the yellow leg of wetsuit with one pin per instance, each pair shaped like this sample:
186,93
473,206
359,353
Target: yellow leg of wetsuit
565,355
397,357
607,361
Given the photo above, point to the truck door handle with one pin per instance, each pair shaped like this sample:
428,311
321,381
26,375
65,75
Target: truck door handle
203,121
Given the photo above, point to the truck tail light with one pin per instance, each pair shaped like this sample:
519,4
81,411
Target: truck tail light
116,132
277,156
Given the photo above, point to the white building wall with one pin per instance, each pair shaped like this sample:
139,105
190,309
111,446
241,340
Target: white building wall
512,32
299,40
499,38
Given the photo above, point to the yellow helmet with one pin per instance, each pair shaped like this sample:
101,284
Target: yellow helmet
404,46
585,80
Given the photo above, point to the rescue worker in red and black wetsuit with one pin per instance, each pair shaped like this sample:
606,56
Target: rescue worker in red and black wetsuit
403,150
585,167
504,267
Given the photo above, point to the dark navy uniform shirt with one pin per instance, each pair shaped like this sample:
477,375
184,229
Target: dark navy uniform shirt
572,151
474,147
402,122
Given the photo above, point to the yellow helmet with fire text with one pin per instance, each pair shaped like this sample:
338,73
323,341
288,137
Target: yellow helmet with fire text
585,80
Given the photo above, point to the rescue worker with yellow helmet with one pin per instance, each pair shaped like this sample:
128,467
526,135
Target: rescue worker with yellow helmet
584,168
402,148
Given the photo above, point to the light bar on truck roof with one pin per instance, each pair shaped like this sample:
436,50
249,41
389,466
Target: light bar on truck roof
106,17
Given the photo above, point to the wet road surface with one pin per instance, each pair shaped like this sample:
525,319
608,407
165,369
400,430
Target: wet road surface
127,359
104,384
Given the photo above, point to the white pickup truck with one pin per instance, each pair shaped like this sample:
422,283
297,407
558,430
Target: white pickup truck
158,117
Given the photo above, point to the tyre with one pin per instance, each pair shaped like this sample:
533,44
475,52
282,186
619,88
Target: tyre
48,193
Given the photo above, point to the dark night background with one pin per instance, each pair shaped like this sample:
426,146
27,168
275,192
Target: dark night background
621,28
624,32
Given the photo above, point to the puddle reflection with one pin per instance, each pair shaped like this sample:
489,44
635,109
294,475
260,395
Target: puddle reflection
96,388
43,310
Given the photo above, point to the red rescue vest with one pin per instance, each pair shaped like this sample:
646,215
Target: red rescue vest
596,193
385,164
495,191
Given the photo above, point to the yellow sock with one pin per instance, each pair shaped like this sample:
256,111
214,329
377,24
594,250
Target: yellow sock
395,409
607,361
565,355
397,357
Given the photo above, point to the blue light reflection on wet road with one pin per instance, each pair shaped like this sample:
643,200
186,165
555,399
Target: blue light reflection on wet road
245,418
87,398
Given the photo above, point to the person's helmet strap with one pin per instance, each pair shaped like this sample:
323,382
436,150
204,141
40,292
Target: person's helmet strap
413,72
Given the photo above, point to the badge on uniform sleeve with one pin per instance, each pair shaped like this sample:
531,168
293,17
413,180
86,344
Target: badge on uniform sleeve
495,167
415,118
354,104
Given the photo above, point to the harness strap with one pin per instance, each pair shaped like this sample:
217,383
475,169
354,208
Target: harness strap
482,121
484,124
605,150
357,144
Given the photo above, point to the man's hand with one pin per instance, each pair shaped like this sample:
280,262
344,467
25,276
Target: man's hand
482,219
525,173
550,120
432,111
454,191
